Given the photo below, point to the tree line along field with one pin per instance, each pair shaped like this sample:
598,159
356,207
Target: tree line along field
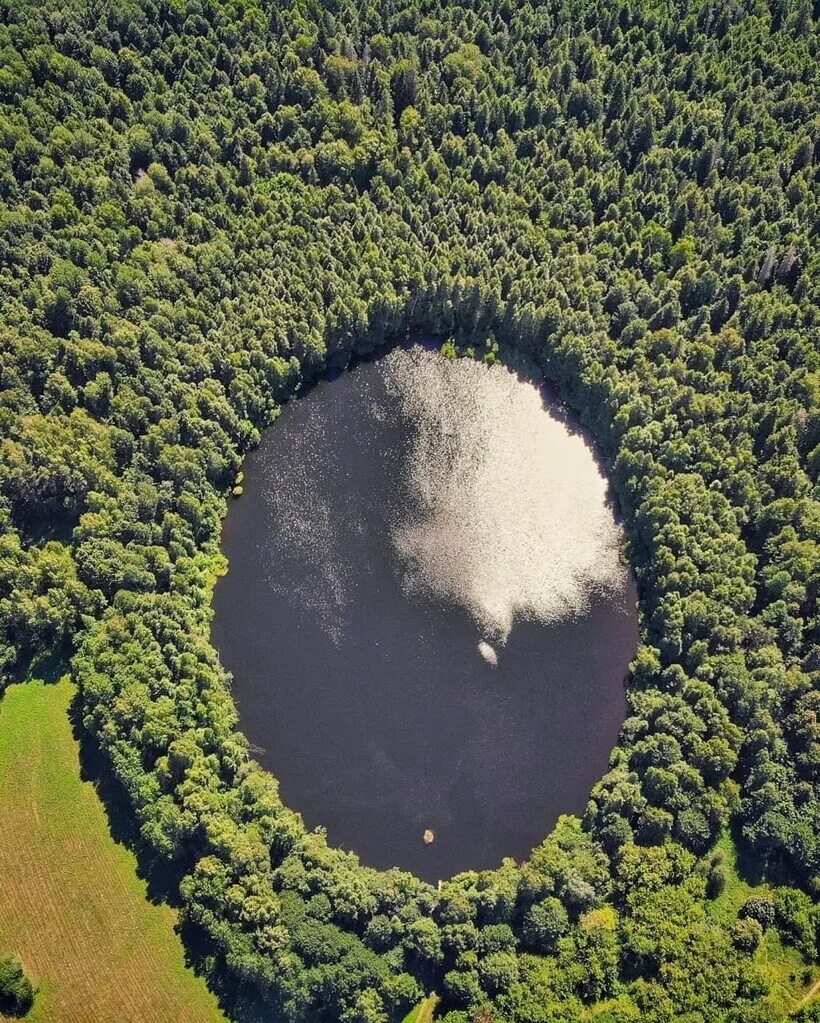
204,204
72,906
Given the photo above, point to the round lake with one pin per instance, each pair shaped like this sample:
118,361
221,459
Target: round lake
427,615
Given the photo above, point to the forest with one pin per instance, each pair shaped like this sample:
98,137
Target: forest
206,203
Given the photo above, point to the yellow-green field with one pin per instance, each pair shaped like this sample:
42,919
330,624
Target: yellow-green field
792,982
423,1012
72,907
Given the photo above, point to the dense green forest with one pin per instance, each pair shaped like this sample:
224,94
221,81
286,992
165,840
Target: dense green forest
203,203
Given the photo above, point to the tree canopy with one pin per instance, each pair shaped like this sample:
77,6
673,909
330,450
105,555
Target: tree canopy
203,203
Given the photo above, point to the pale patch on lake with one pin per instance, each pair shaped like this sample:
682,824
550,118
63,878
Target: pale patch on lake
505,510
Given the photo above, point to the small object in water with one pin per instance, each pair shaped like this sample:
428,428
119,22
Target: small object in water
488,653
429,837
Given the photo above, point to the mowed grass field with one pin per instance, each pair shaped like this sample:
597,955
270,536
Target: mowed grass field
72,907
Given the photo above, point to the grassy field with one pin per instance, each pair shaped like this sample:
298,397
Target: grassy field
423,1012
72,907
792,982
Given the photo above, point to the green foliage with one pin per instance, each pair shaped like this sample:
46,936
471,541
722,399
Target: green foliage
204,204
16,990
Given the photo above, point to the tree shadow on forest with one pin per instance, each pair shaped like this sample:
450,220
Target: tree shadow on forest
753,869
43,667
749,867
162,879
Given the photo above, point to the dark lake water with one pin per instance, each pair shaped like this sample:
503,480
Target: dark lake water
426,614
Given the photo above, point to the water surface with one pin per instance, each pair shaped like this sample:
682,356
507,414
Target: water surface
426,614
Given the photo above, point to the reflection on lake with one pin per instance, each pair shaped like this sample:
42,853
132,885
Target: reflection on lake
426,612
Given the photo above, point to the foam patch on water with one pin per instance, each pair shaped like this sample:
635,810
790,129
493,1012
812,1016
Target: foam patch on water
488,652
504,511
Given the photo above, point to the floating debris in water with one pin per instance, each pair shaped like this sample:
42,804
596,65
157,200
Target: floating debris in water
429,837
488,653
